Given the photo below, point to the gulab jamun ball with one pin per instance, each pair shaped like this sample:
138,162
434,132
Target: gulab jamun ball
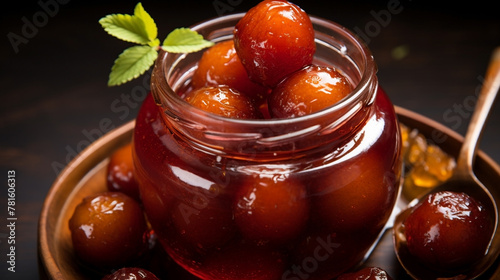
221,66
448,231
349,198
274,39
120,172
108,230
308,90
271,209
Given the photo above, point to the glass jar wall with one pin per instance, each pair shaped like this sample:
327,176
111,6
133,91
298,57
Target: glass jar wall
271,198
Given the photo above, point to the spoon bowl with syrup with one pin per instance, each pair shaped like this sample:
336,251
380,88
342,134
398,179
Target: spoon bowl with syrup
462,181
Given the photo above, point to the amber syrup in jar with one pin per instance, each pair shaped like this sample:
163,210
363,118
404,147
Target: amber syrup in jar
272,198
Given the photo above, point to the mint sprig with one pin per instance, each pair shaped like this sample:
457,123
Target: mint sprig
140,28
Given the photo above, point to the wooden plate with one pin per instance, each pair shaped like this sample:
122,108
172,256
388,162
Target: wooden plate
86,174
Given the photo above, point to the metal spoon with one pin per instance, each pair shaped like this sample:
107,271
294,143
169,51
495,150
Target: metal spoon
463,180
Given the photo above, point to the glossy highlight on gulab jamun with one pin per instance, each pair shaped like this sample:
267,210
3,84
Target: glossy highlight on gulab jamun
223,101
131,273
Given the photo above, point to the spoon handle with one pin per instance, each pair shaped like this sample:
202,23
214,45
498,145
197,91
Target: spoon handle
484,104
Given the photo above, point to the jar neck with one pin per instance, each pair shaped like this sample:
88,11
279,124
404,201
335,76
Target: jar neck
268,138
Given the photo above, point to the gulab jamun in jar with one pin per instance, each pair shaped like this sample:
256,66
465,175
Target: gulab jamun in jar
303,196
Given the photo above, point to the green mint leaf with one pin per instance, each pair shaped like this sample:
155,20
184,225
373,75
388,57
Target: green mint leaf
125,27
132,63
184,40
149,24
140,28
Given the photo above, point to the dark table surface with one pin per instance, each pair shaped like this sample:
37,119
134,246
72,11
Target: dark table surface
55,59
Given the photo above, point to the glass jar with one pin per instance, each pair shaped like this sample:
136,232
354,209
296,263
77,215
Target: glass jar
271,198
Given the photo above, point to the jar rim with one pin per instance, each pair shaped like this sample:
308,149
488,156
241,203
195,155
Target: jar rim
366,80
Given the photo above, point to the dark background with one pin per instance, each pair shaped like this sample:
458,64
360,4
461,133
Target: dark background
54,96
